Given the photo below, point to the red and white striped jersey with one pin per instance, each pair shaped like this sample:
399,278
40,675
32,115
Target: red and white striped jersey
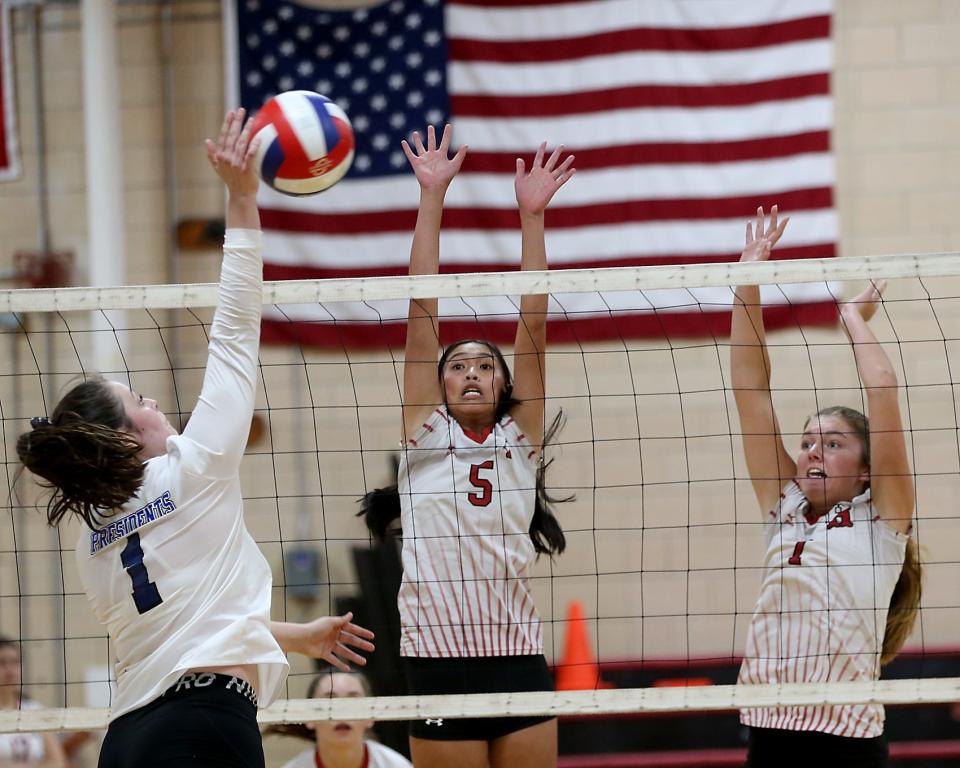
822,609
466,505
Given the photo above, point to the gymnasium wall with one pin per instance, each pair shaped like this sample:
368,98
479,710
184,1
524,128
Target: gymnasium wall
897,148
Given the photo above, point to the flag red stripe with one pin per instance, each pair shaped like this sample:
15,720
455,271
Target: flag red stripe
638,39
289,272
667,153
569,217
570,330
638,96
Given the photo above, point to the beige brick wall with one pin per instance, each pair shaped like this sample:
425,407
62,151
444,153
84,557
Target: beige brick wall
897,105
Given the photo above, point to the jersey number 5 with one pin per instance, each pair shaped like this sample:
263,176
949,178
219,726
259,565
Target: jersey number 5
797,551
485,487
146,596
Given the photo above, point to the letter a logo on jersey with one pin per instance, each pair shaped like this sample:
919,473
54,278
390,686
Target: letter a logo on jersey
842,520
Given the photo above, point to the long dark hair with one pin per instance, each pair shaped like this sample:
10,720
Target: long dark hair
905,601
85,453
381,506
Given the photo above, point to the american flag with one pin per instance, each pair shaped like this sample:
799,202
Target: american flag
9,160
684,115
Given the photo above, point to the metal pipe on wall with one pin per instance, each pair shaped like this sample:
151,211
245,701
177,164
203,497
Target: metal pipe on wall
104,156
48,388
170,186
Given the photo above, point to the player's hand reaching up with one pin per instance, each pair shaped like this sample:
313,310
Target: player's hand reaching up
760,241
431,164
231,155
536,189
864,303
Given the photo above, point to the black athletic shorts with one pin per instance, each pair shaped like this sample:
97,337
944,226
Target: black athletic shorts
486,674
202,720
782,749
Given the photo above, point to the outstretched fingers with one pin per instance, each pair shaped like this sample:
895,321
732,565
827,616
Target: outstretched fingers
551,163
445,139
563,174
538,158
458,158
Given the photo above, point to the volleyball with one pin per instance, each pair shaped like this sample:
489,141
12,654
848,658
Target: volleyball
306,143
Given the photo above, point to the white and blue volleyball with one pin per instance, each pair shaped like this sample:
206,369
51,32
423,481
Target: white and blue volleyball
306,143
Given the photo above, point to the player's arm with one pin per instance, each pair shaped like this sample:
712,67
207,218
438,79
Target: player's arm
768,462
434,171
891,482
331,638
53,754
221,419
534,192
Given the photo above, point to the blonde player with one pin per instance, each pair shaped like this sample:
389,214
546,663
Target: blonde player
343,743
165,558
841,577
471,499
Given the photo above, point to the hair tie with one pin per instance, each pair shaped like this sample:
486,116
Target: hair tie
39,421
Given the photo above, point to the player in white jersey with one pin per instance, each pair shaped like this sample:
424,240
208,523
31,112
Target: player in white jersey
841,581
343,743
471,500
23,750
165,558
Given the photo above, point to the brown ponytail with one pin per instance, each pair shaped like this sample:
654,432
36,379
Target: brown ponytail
904,604
85,454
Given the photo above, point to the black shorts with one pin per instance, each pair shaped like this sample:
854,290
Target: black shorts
782,749
486,674
202,720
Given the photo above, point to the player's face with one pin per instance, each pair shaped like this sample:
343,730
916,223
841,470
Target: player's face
830,466
472,382
150,426
9,666
340,733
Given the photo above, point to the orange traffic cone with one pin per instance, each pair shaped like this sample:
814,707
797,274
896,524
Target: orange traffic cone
578,671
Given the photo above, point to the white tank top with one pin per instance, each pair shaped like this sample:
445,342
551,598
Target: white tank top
466,505
822,610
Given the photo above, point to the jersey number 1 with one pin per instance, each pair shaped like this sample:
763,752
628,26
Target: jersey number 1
146,596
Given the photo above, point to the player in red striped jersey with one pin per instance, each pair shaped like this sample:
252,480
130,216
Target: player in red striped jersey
472,502
841,577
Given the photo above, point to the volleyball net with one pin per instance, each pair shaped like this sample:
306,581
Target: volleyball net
665,539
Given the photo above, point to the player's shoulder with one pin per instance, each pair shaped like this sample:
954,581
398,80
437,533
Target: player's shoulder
383,757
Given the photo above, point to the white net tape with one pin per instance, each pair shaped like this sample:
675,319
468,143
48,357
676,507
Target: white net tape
488,284
608,702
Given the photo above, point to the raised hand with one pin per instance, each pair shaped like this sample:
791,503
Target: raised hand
760,241
231,155
431,164
536,188
866,302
